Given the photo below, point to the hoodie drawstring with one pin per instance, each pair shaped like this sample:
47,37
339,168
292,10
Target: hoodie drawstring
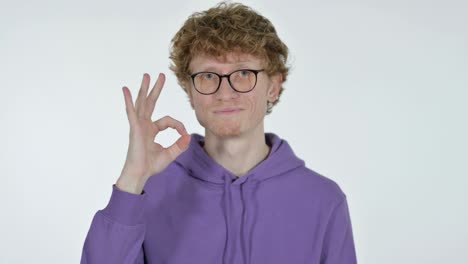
242,233
247,223
227,215
245,238
245,227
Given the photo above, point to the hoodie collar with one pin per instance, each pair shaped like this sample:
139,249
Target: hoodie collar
199,164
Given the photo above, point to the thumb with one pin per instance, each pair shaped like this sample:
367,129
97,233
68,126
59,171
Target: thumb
180,146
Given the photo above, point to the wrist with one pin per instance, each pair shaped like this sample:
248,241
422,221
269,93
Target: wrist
130,186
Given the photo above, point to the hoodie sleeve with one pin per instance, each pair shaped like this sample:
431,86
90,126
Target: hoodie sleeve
338,244
117,232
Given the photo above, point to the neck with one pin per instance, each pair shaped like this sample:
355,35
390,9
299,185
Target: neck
239,154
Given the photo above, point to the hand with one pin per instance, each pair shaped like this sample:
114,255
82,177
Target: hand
145,157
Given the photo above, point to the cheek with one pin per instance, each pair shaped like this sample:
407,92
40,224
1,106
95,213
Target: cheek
198,101
201,105
258,105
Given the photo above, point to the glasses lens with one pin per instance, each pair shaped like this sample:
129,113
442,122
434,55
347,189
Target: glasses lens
206,82
243,80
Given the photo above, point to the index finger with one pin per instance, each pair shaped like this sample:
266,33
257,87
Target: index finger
154,95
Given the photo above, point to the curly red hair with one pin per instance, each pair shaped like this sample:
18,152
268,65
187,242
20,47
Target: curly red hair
226,28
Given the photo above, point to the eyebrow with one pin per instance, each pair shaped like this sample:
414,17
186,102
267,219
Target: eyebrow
237,66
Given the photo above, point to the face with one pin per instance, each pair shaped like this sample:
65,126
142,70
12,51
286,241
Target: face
228,113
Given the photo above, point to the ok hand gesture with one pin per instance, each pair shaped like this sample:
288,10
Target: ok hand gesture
145,157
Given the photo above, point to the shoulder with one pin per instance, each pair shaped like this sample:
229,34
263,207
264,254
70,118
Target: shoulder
319,186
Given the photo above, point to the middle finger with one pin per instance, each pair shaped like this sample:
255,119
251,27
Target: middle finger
141,99
154,95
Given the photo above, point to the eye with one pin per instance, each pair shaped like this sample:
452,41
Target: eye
208,76
244,73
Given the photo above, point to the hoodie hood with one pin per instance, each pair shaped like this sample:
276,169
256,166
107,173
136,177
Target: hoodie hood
198,164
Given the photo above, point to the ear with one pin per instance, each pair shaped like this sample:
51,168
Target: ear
191,101
188,90
275,87
189,94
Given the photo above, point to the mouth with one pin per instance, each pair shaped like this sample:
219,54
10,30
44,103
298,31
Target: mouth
228,111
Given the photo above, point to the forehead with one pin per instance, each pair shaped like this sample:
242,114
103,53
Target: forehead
206,62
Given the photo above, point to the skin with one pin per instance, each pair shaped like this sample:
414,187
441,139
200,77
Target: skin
144,156
236,141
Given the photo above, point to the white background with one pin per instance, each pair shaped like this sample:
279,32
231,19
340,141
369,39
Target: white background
376,101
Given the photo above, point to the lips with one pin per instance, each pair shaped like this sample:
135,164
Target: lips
228,110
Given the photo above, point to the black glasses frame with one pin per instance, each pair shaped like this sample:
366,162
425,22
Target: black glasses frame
228,76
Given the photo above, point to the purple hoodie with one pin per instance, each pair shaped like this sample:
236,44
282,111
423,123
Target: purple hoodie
196,211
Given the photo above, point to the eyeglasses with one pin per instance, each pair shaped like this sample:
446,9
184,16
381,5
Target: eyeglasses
242,81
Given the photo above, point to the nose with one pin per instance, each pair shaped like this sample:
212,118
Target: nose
225,90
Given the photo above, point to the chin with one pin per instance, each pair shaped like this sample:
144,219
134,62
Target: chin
224,129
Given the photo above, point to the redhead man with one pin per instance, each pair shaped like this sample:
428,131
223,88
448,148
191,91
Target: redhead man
236,194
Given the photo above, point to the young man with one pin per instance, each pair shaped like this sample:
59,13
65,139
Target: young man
236,195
